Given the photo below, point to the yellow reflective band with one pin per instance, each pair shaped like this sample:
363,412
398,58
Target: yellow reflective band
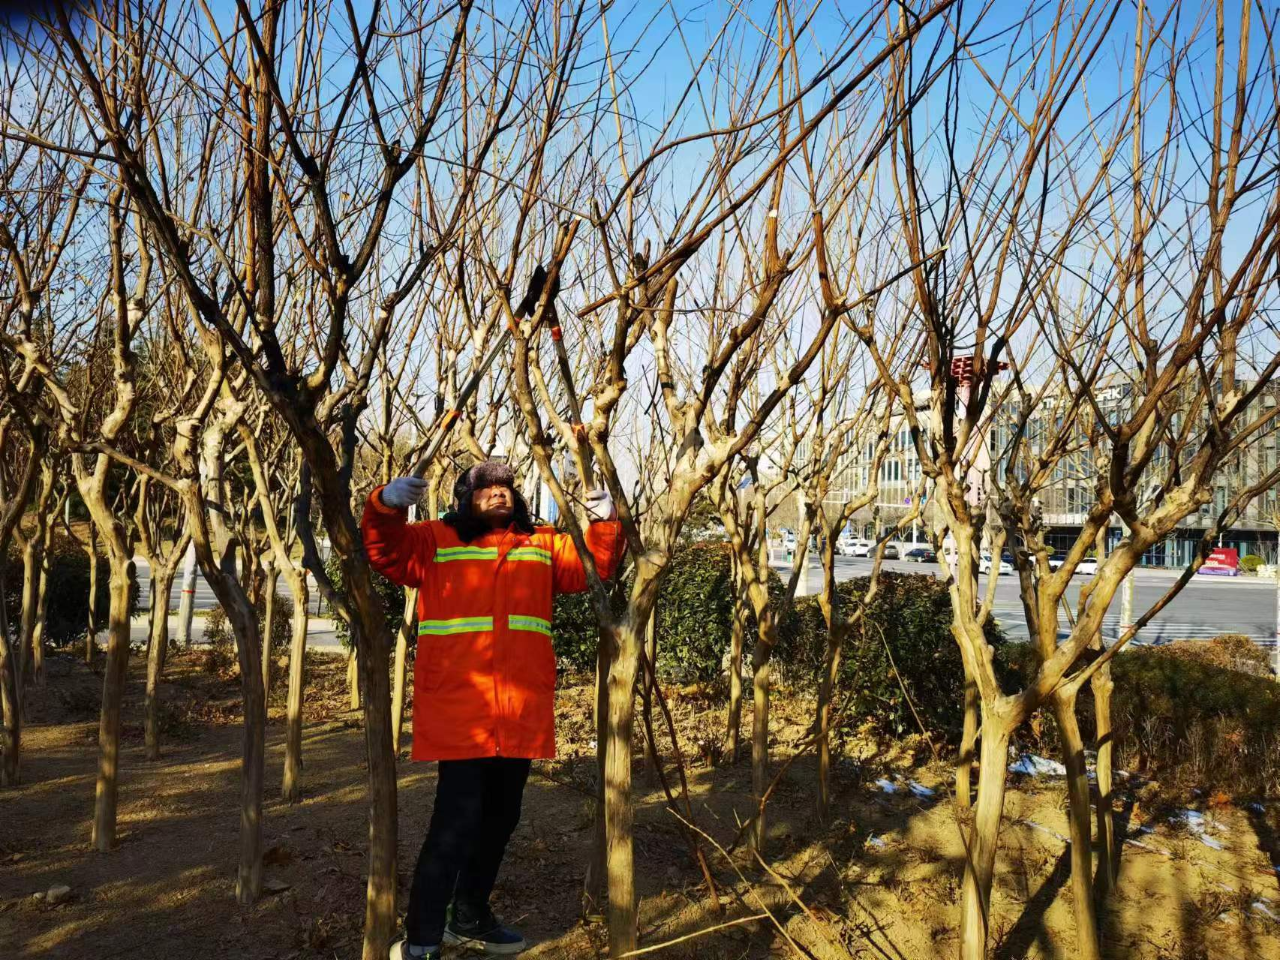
531,624
531,554
437,628
447,554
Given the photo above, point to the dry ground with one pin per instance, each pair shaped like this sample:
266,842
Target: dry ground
880,882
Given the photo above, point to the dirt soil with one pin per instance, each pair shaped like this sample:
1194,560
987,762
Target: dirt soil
881,881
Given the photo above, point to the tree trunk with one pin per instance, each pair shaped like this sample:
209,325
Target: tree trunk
1078,816
759,751
404,635
595,883
619,812
968,740
292,787
647,680
737,633
104,807
42,609
186,606
11,736
983,839
1105,879
243,619
353,679
157,651
825,691
31,554
268,621
91,637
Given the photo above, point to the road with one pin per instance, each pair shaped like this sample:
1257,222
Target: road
1206,607
320,632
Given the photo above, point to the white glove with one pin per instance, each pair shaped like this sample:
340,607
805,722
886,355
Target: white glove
600,506
403,492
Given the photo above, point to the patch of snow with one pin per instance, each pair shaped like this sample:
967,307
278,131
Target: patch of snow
1032,766
1147,846
1259,907
1197,824
1043,829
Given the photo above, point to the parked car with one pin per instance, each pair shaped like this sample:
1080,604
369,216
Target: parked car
852,548
891,551
922,555
1005,565
1087,567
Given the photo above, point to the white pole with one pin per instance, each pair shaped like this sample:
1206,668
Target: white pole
1275,651
1126,604
186,608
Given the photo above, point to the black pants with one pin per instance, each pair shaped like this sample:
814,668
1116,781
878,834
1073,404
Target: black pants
477,809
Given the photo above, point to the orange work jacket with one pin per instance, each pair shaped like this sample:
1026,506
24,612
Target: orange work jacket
484,676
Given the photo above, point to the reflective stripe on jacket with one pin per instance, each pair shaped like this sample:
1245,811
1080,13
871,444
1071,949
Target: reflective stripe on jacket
484,677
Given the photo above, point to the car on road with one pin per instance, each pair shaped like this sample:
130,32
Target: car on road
852,548
891,551
1005,565
921,555
1086,567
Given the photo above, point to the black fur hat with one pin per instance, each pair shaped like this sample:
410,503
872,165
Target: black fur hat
490,473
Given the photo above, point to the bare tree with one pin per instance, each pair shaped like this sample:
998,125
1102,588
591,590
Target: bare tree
1132,332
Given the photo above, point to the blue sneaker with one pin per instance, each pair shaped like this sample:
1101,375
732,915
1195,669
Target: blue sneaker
401,950
483,932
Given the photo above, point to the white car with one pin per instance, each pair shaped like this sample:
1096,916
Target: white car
1086,567
1006,565
853,548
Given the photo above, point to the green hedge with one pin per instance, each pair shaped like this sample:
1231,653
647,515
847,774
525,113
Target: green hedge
908,626
68,607
695,616
1250,562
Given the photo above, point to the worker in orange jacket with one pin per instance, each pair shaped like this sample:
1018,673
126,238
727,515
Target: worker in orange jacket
484,679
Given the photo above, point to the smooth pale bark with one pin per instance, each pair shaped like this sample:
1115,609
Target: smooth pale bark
759,751
596,881
291,789
831,670
11,735
825,691
737,633
408,620
618,807
1078,818
42,609
187,605
353,679
968,740
91,628
268,621
647,680
157,652
31,556
983,839
1102,685
117,663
